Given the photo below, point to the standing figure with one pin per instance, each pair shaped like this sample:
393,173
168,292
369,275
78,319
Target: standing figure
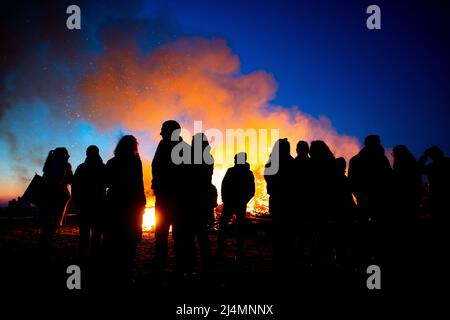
370,176
89,196
324,198
279,174
125,207
344,222
170,176
407,187
238,187
56,179
303,218
438,173
201,195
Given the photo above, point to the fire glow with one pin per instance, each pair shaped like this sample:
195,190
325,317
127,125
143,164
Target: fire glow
149,219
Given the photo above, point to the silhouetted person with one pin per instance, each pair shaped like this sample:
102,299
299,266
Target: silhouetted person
407,186
238,187
169,180
125,206
56,179
370,176
280,187
302,217
201,196
324,199
438,172
345,198
345,215
89,196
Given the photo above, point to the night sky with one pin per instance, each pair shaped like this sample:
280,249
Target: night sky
316,57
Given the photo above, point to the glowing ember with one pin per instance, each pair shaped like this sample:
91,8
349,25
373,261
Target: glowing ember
149,219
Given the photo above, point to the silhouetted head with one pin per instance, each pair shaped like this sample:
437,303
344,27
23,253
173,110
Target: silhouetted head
282,147
61,154
302,148
319,150
169,128
127,147
93,154
372,146
240,158
435,153
92,151
402,156
201,149
341,165
372,141
280,155
281,151
400,151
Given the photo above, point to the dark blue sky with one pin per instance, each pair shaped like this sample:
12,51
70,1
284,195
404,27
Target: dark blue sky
393,81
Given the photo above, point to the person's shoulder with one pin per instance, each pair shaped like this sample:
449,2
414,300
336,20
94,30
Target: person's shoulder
230,171
111,162
137,161
291,161
80,167
162,145
355,158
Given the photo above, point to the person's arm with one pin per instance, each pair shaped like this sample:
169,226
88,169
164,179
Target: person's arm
141,199
156,170
251,186
224,187
269,180
76,186
69,174
140,185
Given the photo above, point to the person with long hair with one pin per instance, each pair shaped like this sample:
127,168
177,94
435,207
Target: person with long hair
125,206
56,180
201,198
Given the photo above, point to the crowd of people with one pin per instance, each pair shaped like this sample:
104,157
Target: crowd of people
322,214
